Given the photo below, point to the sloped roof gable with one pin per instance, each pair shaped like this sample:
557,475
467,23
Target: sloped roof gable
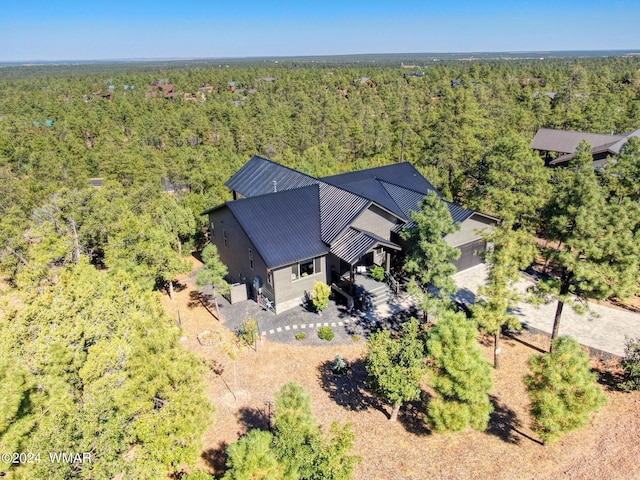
283,226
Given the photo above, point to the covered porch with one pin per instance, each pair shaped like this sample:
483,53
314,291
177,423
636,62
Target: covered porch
351,258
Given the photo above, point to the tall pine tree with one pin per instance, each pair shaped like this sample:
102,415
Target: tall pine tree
459,374
429,257
598,240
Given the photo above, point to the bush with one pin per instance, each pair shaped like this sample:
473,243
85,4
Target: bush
339,365
325,333
321,292
301,336
377,273
248,331
631,364
355,338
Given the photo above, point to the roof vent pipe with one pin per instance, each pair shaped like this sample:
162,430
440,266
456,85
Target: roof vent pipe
275,186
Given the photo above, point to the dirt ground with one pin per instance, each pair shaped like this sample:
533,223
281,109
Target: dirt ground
243,396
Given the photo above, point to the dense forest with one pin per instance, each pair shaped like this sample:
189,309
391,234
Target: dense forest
81,266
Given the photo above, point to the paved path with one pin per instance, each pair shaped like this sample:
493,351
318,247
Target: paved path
606,332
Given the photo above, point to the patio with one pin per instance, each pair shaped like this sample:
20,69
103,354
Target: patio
345,324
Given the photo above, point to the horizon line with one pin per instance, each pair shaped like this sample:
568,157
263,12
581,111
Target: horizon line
27,62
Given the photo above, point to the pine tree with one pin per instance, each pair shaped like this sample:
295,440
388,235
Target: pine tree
563,390
512,183
460,376
429,257
213,273
297,448
509,252
96,367
252,458
598,240
395,366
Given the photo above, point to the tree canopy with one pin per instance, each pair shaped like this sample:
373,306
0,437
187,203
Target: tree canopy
93,365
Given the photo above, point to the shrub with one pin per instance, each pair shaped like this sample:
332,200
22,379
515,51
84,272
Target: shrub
321,292
355,338
301,336
325,333
339,365
377,273
248,331
631,364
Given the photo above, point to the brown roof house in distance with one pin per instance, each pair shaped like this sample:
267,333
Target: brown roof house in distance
285,230
559,146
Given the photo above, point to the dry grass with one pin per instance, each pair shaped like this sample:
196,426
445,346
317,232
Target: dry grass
608,448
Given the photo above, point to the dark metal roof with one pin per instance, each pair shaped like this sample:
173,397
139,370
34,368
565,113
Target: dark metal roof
408,201
354,243
458,213
258,175
372,189
283,226
338,208
403,174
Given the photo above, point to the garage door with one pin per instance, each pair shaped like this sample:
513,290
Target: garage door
470,254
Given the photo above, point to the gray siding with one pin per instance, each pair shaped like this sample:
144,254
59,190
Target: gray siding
236,254
375,220
469,230
288,292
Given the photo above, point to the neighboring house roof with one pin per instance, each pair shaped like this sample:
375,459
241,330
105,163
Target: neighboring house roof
353,243
284,226
566,142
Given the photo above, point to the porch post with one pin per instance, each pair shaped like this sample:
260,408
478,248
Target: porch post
352,280
387,263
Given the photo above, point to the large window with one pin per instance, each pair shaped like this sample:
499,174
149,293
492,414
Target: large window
306,268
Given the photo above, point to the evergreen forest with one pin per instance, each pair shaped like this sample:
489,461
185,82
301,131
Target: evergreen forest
88,360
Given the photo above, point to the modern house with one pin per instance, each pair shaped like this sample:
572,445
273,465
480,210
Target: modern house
559,146
285,230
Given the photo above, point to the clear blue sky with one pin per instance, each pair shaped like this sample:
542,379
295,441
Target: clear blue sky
111,29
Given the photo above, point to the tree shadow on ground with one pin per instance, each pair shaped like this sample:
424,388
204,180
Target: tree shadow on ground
610,374
197,299
504,422
411,415
250,418
349,389
216,458
464,296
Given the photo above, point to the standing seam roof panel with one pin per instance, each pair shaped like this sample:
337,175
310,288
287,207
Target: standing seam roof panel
284,226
